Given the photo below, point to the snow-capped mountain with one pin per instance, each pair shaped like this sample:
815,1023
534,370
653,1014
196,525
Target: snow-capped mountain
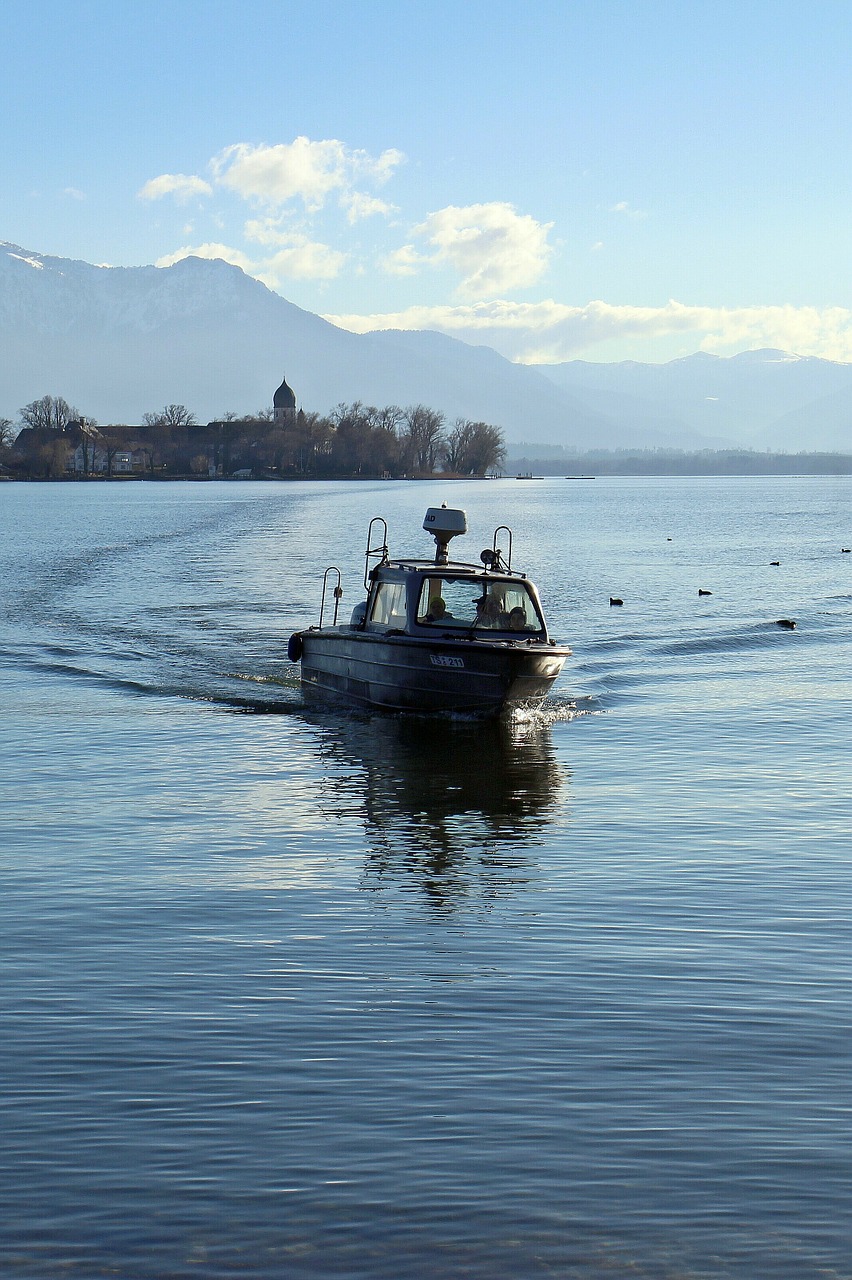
118,342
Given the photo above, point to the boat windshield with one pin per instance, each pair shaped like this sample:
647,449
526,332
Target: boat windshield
494,605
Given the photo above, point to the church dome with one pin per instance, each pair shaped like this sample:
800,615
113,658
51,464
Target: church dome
284,397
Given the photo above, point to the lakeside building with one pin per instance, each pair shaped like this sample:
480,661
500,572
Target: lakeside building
79,448
220,448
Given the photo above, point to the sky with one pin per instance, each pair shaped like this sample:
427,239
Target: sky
598,180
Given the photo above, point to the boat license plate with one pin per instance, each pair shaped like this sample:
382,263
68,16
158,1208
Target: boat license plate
445,660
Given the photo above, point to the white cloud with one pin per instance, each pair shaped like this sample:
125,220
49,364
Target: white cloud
276,179
405,261
267,231
359,205
302,259
805,330
492,247
624,208
182,186
548,331
303,170
380,169
74,194
273,175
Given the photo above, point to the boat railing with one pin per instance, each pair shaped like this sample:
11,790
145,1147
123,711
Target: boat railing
499,562
376,550
331,573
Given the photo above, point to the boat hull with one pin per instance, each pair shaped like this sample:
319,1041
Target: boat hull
407,673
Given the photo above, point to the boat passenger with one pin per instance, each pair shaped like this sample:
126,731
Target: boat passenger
517,619
437,610
487,611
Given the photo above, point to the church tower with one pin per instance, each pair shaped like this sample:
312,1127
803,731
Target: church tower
284,406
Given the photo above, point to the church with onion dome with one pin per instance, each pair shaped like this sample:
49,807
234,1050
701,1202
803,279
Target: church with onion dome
284,405
284,412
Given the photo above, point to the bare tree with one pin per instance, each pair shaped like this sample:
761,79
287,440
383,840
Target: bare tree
50,413
391,418
351,424
84,435
456,445
7,432
472,447
115,438
172,415
110,449
421,439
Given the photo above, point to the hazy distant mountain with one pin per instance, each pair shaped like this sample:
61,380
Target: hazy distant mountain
118,342
759,399
825,423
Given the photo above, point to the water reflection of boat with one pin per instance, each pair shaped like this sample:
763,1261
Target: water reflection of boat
455,808
433,635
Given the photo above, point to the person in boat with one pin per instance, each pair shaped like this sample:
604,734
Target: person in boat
437,610
487,611
517,619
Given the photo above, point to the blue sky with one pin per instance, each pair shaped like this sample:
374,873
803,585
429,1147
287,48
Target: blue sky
601,180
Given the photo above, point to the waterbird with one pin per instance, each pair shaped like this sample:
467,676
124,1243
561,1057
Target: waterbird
702,592
846,550
775,562
615,600
788,623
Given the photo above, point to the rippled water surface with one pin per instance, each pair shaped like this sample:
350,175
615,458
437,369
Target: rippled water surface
299,994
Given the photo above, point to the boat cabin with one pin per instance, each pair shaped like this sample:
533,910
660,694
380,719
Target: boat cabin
422,597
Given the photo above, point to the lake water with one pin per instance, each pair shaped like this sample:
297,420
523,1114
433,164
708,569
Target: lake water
299,994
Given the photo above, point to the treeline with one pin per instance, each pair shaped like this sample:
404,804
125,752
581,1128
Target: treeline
676,462
354,440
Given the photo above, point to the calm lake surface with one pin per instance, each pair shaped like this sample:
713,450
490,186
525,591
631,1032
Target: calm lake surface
299,994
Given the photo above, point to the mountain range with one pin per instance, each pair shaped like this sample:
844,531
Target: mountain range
118,342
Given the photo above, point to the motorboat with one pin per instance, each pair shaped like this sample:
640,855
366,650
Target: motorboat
432,635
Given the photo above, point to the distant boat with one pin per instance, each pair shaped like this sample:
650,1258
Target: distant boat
527,475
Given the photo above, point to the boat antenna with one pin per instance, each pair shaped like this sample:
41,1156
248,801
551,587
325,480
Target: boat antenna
444,523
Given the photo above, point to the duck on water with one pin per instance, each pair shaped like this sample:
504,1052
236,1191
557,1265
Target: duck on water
433,635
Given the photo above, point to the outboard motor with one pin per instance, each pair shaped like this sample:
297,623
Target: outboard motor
444,523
